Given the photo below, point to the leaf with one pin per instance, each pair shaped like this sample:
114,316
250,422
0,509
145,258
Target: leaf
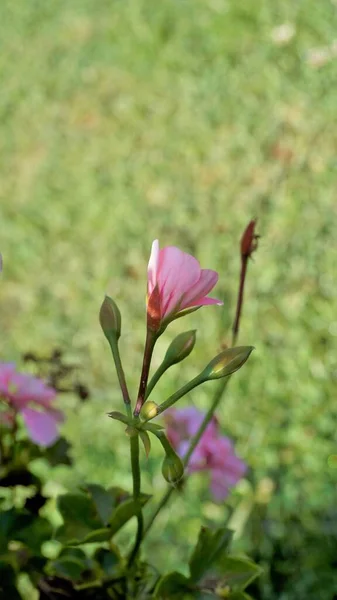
211,544
57,454
173,586
71,563
105,500
152,427
236,572
109,560
8,582
35,533
118,416
144,436
125,511
12,521
81,520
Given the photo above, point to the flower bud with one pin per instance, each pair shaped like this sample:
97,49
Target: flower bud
172,468
110,318
227,362
249,240
180,348
149,410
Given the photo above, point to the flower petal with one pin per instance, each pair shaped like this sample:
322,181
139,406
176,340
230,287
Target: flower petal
152,268
200,289
41,426
177,272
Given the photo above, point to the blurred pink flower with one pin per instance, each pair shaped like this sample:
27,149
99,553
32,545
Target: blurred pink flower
214,453
175,283
21,393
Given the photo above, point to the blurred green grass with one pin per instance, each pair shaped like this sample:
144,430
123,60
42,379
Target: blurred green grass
126,121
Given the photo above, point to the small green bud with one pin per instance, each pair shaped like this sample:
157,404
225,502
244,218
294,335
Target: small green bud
149,410
172,468
227,362
180,348
110,318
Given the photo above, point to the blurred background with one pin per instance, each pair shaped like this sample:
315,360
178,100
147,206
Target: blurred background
124,121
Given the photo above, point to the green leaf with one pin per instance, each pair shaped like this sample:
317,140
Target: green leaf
13,521
211,544
109,560
174,586
125,511
152,427
71,563
57,454
81,520
8,582
144,436
236,572
118,416
38,531
104,500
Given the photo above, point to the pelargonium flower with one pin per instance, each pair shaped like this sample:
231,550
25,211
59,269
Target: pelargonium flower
29,396
176,283
214,453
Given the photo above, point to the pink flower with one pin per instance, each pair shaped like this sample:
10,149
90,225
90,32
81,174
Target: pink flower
176,283
214,453
22,393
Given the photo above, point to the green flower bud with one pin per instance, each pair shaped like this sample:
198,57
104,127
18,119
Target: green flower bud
110,318
180,348
172,468
227,362
149,410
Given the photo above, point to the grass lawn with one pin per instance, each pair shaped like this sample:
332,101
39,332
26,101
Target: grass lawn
182,120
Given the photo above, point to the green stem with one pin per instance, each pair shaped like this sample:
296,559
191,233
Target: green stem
120,374
151,338
194,442
155,378
177,395
134,449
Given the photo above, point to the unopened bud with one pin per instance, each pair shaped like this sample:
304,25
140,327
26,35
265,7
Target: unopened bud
172,468
249,240
227,362
180,348
110,318
149,410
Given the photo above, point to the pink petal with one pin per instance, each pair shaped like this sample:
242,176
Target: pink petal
152,268
41,426
177,272
206,302
200,289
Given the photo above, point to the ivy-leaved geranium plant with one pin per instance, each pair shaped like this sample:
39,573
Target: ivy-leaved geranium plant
191,441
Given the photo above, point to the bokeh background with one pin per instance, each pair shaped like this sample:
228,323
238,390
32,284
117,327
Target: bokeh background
124,121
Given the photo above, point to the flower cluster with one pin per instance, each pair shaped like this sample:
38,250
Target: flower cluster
29,396
214,452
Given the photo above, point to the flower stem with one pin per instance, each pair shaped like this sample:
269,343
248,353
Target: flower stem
120,374
194,442
236,325
134,450
188,387
151,338
154,380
